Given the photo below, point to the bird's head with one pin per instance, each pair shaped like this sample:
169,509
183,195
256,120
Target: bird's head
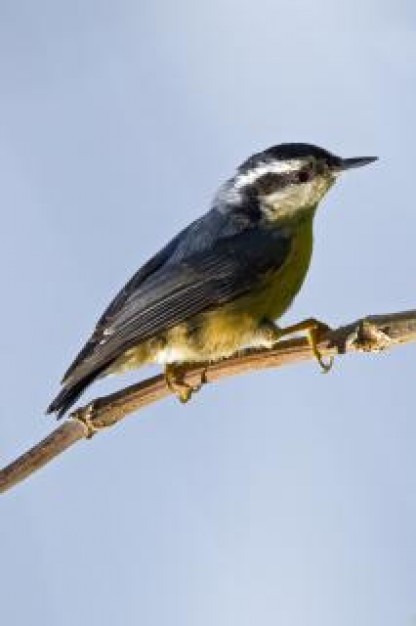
287,179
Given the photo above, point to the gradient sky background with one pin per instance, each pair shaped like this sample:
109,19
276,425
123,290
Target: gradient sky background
283,497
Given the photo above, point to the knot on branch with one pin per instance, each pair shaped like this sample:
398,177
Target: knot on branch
85,416
370,338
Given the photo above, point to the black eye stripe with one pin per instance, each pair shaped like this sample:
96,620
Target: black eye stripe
272,181
267,183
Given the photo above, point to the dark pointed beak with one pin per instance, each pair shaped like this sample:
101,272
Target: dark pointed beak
348,164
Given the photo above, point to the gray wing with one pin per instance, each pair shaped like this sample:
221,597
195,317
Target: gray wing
178,292
188,278
199,236
118,302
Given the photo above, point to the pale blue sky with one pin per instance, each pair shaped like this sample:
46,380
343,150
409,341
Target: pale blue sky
284,497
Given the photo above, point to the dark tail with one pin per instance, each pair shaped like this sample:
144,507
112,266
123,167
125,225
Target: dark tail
69,395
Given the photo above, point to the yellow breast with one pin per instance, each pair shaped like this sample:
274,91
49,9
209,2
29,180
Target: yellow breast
282,286
223,331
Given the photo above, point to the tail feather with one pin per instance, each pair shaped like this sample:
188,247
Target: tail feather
69,394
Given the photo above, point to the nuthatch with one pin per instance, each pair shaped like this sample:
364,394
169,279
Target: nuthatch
221,283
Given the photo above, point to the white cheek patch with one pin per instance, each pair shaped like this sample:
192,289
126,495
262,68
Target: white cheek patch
276,167
290,199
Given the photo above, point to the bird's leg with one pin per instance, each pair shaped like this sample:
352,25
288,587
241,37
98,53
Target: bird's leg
313,329
174,378
268,334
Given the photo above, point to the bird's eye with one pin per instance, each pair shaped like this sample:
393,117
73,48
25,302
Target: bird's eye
305,175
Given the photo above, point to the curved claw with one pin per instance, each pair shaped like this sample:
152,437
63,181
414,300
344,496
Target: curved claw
325,366
313,335
184,394
313,329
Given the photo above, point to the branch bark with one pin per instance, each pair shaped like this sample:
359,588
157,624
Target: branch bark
370,334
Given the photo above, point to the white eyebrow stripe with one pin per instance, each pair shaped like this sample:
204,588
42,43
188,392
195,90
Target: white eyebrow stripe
275,167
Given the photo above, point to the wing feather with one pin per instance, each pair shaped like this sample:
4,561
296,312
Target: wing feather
176,293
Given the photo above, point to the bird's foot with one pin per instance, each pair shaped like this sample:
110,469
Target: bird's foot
83,416
314,331
174,378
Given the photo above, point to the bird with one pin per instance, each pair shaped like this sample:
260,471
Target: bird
220,285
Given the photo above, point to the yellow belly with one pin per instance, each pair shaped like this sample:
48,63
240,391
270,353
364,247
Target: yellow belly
223,331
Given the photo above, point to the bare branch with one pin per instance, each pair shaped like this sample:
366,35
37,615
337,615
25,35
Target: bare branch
370,334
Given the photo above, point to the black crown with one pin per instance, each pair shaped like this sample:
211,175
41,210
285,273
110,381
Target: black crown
285,151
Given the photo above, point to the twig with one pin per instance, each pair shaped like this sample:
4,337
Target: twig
370,334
